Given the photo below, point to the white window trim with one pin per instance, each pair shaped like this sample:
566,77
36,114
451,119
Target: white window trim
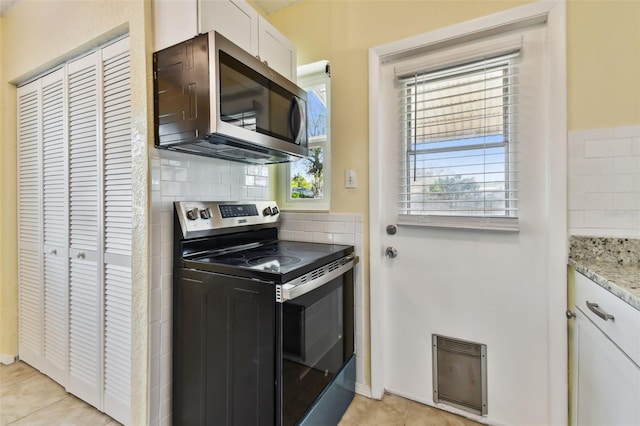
554,14
310,75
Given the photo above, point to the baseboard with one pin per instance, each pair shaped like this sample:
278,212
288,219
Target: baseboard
8,359
363,390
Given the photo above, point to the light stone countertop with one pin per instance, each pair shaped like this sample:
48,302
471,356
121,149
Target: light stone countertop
623,280
613,263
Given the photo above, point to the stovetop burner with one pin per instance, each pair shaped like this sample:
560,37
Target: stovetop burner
274,258
282,260
274,263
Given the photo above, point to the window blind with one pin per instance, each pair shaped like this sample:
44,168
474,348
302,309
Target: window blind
458,133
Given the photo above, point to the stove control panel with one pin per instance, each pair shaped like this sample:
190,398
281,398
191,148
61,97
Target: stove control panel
203,218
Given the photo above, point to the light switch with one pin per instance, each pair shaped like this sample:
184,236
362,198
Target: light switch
350,178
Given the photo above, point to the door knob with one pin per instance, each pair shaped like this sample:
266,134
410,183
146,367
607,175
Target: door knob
391,252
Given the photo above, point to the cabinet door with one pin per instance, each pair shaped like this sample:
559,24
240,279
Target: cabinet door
224,350
606,383
276,50
85,295
29,114
55,220
235,20
174,21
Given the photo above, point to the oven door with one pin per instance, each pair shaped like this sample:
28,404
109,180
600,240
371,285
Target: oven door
317,340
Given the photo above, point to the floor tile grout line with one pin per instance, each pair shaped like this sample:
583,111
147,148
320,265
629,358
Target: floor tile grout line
29,374
40,409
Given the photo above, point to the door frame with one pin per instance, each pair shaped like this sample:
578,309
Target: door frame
554,14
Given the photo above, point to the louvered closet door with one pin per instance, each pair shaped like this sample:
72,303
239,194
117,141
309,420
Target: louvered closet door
85,284
117,230
54,213
29,132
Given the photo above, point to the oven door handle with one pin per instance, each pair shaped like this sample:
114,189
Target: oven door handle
305,284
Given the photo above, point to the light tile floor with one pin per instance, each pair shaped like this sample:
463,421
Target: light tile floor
30,398
395,411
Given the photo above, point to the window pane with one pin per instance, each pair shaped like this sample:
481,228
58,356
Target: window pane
317,111
469,182
307,179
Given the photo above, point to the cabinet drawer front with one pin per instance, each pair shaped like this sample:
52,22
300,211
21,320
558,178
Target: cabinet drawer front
623,329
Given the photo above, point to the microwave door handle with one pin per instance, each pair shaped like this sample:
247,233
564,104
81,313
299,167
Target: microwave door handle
295,102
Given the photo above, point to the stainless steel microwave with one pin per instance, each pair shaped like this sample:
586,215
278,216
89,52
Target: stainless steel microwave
214,99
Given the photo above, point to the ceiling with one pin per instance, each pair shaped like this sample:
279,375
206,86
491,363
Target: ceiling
270,6
5,5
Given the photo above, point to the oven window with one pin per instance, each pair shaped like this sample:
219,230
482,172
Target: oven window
316,341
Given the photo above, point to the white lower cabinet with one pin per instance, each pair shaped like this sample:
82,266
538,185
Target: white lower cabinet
74,181
606,379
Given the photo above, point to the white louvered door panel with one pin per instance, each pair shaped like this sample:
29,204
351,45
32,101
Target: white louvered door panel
117,367
55,223
117,230
85,287
29,133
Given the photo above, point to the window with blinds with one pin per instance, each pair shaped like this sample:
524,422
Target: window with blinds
459,145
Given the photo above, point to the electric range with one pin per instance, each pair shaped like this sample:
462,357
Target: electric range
263,328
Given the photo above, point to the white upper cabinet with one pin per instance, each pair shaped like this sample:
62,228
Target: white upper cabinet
235,20
173,21
277,50
179,20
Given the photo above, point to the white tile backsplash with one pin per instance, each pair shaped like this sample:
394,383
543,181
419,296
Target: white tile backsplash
604,182
606,147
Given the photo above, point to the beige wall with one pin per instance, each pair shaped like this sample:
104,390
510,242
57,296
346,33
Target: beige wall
603,63
8,270
34,36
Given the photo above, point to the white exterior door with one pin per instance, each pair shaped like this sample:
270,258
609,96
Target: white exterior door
484,286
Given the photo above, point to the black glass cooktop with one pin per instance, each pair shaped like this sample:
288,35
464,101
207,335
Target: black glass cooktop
277,260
